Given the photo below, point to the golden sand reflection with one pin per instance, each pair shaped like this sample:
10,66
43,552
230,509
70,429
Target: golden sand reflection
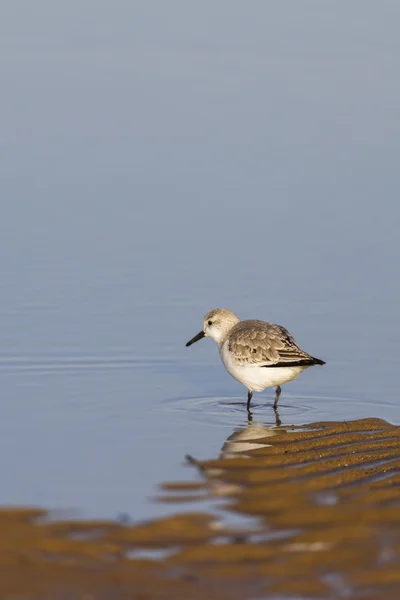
325,499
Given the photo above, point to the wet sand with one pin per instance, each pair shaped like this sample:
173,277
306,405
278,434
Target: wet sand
325,505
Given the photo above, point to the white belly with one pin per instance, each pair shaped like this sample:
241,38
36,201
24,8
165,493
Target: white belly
257,378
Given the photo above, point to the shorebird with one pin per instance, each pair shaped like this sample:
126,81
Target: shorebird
256,353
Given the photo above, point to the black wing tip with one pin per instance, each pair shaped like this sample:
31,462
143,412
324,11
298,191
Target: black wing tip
318,361
304,362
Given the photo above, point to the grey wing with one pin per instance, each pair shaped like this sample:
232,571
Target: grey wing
264,344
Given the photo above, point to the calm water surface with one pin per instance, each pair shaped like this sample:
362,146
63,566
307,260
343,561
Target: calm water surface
155,168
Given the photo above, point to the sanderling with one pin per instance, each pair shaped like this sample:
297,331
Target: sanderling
256,353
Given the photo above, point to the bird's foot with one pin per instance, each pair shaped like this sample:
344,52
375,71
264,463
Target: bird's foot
278,421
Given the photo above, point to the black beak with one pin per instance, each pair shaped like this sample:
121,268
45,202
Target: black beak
196,338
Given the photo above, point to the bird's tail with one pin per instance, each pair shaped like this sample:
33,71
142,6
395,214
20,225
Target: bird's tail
317,361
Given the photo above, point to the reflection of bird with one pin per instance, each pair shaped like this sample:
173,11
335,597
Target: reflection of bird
256,353
238,445
244,440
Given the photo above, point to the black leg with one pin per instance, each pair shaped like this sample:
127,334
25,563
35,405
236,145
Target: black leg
277,394
249,397
278,422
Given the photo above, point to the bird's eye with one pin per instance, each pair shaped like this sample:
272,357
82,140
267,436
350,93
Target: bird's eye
210,323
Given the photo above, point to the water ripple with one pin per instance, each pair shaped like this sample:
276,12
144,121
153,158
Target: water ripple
227,410
63,363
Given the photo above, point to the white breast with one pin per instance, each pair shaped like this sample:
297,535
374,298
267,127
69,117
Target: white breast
254,377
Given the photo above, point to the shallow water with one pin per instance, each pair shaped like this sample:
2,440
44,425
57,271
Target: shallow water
318,509
154,169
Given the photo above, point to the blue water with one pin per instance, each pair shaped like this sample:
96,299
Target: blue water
158,161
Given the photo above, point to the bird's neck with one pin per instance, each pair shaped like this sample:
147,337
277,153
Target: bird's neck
225,333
